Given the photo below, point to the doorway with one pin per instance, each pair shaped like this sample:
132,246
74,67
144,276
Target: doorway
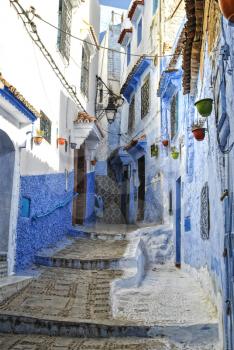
178,223
80,187
141,189
7,165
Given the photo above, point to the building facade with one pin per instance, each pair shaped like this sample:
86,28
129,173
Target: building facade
199,73
47,101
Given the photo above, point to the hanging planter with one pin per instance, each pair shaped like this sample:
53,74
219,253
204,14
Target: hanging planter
227,8
61,141
199,132
39,137
204,107
37,140
165,143
174,153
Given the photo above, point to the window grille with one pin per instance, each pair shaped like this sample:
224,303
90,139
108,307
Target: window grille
131,116
84,84
45,126
174,115
145,97
64,25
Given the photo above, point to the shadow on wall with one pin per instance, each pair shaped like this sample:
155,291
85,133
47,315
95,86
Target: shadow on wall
7,162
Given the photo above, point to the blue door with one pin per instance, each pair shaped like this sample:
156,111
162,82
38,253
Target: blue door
178,223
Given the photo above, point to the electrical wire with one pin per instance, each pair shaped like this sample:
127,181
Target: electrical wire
100,46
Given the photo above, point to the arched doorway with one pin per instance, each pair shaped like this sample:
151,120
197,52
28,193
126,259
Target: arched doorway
7,163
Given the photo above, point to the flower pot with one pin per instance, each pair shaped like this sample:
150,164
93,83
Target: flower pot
199,133
175,154
204,107
37,140
61,141
165,143
93,162
227,8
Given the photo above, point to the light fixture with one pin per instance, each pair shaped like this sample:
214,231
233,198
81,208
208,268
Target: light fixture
104,94
111,110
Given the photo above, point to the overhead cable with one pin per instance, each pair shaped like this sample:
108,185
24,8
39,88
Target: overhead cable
32,31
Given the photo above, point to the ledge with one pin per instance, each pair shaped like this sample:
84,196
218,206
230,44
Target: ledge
125,35
133,14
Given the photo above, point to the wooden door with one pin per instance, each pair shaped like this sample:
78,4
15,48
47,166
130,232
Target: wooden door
80,182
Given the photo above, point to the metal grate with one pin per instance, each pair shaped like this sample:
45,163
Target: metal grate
145,97
174,115
65,17
131,117
84,83
45,126
205,213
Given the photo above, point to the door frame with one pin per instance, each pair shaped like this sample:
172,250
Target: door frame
178,223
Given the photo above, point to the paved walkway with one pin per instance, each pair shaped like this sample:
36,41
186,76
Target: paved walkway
75,302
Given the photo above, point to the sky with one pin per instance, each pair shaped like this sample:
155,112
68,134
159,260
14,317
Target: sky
116,3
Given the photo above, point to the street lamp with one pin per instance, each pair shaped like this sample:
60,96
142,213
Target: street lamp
111,109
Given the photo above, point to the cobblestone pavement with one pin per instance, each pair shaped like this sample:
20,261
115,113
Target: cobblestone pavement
167,296
20,342
93,249
74,302
65,294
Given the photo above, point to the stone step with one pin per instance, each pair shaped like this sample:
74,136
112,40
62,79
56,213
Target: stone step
84,254
98,235
30,342
13,323
82,264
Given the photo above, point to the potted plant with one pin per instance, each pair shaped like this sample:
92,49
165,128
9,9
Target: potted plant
175,153
227,8
39,137
61,141
165,143
204,107
199,132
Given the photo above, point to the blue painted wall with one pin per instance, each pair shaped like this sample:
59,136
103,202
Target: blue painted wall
45,192
90,199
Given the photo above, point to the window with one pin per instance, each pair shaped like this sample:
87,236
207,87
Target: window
174,115
45,126
155,6
145,97
84,83
139,32
64,25
128,53
131,116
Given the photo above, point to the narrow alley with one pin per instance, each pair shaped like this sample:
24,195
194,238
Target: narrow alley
116,174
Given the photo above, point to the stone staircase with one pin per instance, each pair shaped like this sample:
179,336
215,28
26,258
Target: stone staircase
73,298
